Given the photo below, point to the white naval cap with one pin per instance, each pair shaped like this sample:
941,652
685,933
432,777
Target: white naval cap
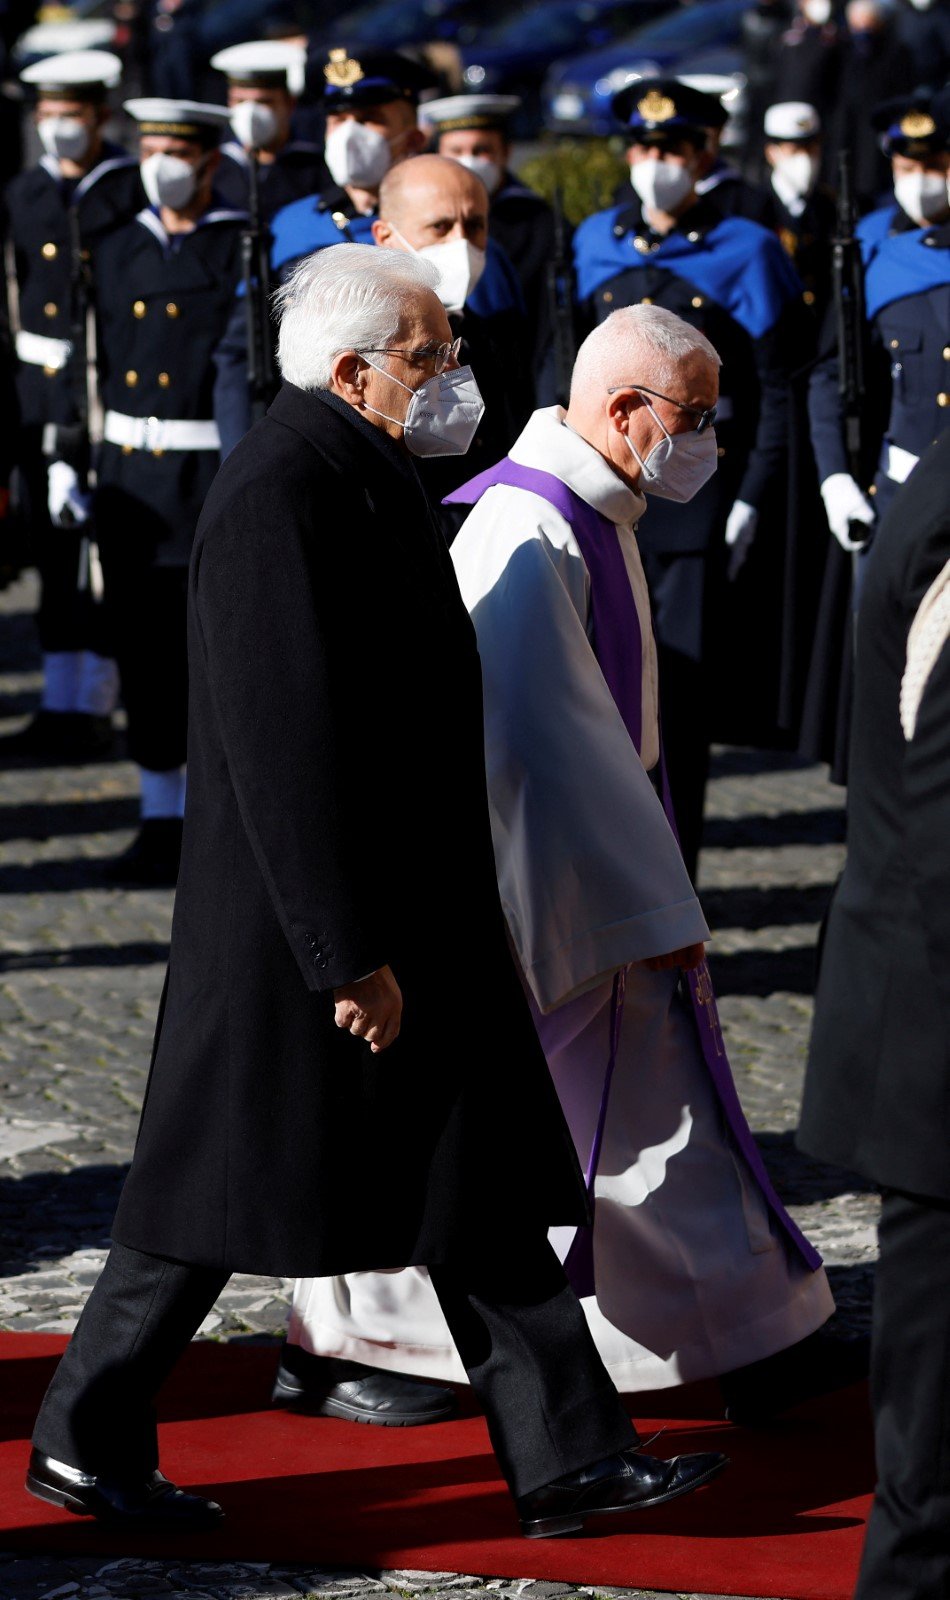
180,119
458,112
793,120
59,38
74,71
276,63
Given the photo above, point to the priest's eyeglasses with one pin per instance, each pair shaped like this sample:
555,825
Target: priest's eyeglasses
439,354
704,419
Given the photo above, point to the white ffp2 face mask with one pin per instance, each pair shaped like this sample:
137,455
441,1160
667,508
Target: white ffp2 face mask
254,125
357,155
794,176
443,415
661,185
491,172
679,465
168,180
63,138
460,267
923,195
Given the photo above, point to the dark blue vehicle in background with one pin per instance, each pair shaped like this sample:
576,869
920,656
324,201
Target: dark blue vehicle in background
392,24
693,38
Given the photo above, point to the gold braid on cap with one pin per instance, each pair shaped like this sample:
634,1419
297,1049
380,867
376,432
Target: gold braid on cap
656,107
342,71
917,125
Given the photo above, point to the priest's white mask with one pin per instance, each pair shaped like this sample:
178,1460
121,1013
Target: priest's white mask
679,465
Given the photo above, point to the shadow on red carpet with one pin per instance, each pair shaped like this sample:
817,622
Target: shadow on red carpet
786,1520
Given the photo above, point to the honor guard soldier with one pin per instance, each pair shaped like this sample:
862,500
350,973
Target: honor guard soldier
264,79
56,213
905,247
730,278
797,206
474,129
164,289
905,404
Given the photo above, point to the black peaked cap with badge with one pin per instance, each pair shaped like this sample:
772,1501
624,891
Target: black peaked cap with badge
653,110
915,125
342,78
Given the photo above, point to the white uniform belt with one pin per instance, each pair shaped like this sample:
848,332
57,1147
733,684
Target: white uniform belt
40,351
160,433
897,464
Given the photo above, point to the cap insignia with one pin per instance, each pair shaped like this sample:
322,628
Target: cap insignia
656,107
917,125
342,71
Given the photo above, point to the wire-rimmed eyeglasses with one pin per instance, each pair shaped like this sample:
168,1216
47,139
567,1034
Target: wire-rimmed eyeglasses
439,354
704,419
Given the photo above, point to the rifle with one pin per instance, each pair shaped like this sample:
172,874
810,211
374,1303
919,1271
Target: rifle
848,289
77,443
255,270
560,287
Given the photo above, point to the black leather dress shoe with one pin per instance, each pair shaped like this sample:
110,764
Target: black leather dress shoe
324,1386
820,1364
151,1503
626,1482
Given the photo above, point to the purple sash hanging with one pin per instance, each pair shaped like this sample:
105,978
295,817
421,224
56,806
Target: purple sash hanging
617,643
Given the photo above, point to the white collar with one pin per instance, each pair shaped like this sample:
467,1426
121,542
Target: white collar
550,445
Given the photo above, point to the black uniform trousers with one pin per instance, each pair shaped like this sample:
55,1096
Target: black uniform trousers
518,1327
68,619
907,1550
147,614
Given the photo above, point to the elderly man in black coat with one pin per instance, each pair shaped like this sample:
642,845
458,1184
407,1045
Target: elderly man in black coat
877,1094
345,1071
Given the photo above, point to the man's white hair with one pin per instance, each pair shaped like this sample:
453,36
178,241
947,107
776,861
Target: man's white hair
347,297
637,344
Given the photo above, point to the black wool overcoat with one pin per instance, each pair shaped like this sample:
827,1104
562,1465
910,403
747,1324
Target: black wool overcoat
337,820
877,1091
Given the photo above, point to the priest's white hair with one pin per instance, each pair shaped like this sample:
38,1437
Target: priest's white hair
637,343
348,297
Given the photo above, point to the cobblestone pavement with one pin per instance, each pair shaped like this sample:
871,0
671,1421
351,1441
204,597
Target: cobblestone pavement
81,967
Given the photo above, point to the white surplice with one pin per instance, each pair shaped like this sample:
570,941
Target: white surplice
693,1275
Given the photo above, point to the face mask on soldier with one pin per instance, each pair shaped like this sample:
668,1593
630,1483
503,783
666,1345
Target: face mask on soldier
923,195
254,125
168,180
491,172
63,138
661,185
357,155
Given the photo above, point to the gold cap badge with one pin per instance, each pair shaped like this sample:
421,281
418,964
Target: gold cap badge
656,107
917,125
342,71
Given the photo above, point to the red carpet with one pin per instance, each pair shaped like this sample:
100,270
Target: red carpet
786,1520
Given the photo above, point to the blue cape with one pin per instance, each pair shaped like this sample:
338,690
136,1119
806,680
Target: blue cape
499,288
898,266
738,264
302,227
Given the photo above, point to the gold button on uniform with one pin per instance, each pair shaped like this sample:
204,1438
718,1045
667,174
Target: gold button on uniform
171,310
139,308
696,301
50,309
647,300
131,379
49,252
163,380
946,352
608,297
49,372
809,297
943,399
126,449
158,452
895,344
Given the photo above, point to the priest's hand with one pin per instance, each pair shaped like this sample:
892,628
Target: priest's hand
687,958
370,1008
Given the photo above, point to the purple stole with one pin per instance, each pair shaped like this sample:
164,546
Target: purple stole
617,643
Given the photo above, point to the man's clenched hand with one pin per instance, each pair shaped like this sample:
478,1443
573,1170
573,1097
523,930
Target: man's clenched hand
371,1008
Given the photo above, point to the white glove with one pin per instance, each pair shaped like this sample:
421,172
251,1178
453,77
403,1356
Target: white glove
845,504
740,531
68,504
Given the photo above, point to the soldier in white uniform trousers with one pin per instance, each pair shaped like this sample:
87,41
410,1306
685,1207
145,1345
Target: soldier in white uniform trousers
697,1270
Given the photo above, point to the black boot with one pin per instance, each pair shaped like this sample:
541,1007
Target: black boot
755,1395
153,857
324,1386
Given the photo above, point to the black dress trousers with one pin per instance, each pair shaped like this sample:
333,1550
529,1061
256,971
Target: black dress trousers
907,1550
520,1332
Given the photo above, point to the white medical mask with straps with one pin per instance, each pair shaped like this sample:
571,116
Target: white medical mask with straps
170,180
460,266
359,156
63,138
443,414
922,195
679,465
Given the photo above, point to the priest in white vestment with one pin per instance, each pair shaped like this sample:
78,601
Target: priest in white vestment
696,1269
